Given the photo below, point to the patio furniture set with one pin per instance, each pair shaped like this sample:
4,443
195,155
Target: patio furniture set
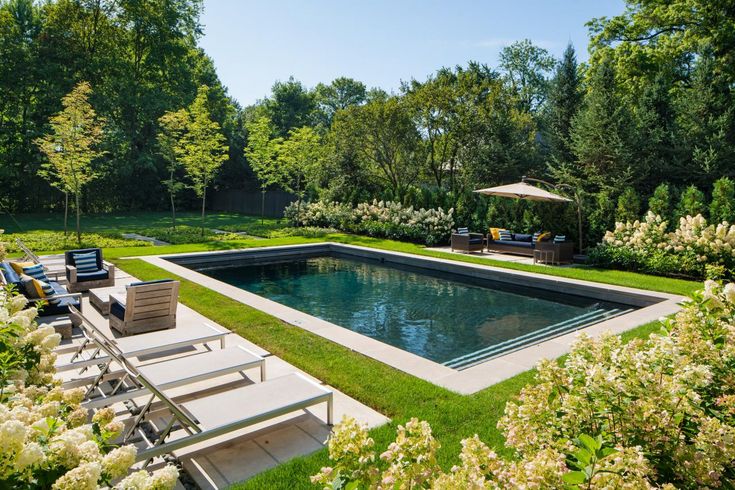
127,369
540,245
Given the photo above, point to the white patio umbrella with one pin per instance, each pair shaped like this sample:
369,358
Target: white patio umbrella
521,190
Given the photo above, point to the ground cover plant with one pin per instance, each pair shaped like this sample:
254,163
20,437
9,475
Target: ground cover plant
56,240
694,248
391,392
186,234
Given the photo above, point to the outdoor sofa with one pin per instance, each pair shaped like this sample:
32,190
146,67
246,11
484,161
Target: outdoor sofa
526,244
56,303
85,270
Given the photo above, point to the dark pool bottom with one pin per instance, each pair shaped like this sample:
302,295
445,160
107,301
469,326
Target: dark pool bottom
443,317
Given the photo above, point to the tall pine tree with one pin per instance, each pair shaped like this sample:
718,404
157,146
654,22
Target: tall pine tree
563,103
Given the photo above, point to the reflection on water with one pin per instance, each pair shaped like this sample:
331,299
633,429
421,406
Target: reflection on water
434,317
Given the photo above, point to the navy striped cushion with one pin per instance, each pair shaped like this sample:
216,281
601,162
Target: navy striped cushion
36,272
505,235
86,262
463,231
560,238
535,236
49,291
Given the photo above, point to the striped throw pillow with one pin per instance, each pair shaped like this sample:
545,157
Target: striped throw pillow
36,272
535,236
505,235
86,262
560,238
463,231
47,292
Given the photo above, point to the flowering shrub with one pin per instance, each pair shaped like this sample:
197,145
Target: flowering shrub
45,438
694,249
653,413
378,219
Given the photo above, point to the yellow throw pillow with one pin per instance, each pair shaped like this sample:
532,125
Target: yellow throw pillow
544,236
18,266
33,287
495,232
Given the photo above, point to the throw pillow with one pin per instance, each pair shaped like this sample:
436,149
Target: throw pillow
36,272
495,232
31,288
18,266
505,235
560,238
544,236
86,262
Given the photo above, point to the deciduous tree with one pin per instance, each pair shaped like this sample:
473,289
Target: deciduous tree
262,154
72,146
172,128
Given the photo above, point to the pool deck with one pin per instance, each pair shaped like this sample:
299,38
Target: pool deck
652,306
228,459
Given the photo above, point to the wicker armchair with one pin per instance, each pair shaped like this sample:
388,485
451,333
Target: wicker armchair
465,241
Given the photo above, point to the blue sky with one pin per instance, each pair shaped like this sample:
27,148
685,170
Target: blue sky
254,43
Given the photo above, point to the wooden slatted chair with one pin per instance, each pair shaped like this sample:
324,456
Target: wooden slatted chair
147,306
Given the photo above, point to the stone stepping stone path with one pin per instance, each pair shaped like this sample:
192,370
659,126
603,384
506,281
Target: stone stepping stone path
154,241
241,233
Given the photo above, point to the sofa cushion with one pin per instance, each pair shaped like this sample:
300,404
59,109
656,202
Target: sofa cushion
516,243
69,256
60,306
92,276
522,237
476,241
11,277
117,310
143,283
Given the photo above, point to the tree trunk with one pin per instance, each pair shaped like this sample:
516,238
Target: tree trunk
173,211
262,206
79,230
66,214
204,201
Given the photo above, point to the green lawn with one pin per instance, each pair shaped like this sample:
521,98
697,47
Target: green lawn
391,392
132,222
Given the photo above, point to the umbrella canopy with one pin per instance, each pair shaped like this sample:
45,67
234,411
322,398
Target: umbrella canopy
521,190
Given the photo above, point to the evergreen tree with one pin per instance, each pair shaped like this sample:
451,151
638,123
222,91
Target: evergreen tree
564,101
601,215
722,207
660,202
691,203
629,206
602,135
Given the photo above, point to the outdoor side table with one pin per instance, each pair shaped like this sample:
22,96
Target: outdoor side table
62,324
100,297
543,256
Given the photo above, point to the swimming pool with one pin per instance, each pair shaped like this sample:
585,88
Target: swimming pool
453,320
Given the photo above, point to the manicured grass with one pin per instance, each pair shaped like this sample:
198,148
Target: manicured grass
391,392
132,222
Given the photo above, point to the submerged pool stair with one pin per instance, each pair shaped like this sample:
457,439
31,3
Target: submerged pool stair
540,335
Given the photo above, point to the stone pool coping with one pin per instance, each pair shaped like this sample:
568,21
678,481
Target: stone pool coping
652,306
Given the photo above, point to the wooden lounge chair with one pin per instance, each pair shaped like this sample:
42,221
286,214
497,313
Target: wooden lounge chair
100,275
52,270
145,307
165,374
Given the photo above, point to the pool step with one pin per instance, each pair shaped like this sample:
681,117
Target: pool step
542,334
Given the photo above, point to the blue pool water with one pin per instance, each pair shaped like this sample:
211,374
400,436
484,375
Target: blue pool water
444,318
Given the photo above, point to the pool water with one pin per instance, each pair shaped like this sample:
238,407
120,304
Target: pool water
445,318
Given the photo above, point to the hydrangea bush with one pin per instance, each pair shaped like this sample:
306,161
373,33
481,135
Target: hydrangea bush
651,413
46,439
383,219
693,249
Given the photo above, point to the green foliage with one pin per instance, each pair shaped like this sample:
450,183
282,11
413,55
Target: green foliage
172,128
202,149
629,206
526,67
660,203
691,203
722,206
290,106
186,234
40,241
564,101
